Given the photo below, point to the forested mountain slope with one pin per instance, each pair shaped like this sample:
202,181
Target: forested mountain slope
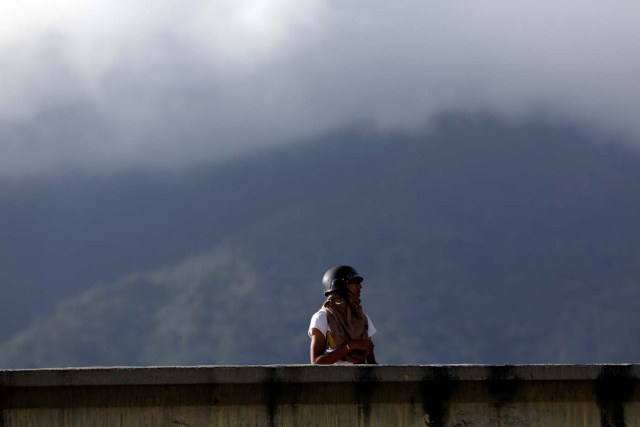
479,243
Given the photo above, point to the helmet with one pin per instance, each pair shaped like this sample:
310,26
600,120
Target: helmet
336,278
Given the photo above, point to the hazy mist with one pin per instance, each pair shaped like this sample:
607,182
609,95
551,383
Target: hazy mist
162,84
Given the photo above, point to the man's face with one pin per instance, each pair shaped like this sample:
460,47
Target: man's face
355,288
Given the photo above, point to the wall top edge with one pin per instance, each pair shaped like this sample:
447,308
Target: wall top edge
257,374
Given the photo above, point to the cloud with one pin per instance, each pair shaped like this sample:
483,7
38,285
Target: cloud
166,83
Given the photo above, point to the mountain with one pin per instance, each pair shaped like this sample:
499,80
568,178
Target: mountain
480,242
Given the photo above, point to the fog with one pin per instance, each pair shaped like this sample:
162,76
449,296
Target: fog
90,86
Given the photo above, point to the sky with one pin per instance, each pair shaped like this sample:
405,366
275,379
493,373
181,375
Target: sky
163,84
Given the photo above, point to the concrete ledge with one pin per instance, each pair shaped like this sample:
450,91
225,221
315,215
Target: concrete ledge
177,375
428,395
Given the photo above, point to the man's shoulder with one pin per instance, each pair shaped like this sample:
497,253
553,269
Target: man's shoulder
320,314
320,322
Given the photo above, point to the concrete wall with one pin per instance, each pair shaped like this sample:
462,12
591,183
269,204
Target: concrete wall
535,395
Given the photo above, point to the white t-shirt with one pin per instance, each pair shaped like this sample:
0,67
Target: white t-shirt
321,323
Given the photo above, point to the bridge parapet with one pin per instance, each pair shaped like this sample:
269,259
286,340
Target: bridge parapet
300,395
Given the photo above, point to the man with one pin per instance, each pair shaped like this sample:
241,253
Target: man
340,331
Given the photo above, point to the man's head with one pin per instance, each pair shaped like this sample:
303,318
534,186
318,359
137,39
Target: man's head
337,278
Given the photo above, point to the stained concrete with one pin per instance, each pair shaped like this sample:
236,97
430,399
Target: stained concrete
300,395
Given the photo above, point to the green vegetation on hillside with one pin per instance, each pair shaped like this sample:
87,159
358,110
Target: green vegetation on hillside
480,243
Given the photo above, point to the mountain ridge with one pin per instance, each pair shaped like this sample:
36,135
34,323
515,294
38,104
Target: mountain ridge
479,243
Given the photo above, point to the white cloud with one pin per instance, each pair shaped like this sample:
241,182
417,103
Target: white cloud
161,83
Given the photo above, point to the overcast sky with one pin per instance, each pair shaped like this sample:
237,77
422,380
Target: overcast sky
160,83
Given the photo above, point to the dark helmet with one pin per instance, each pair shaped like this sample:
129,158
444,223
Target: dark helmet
336,278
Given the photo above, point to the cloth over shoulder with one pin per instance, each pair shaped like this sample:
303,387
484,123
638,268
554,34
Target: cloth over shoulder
320,321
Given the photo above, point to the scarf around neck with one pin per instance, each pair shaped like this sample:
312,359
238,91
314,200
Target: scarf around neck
347,322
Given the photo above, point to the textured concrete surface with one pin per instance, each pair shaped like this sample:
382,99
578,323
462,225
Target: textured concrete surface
297,395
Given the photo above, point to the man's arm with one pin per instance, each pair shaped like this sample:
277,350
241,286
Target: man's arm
371,357
319,356
317,349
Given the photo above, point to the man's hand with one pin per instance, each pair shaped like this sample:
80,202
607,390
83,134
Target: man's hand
363,345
